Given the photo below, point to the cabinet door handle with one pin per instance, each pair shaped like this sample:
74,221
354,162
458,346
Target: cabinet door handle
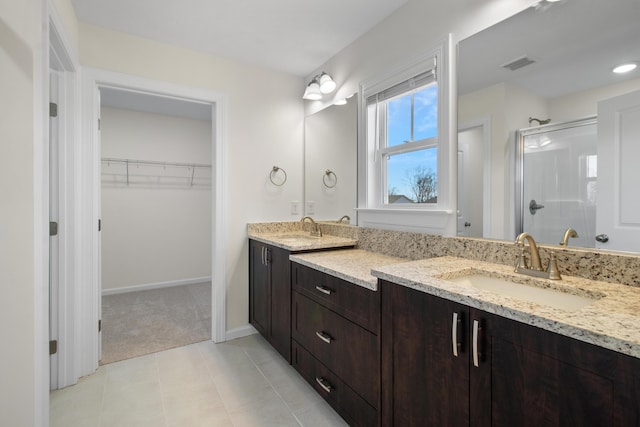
454,333
324,384
476,327
264,258
324,337
324,290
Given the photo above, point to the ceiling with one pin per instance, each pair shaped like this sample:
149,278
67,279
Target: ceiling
575,45
293,36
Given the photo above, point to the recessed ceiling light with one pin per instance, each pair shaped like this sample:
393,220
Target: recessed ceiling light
625,68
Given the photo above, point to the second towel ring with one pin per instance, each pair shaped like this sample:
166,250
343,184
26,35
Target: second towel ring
273,173
327,176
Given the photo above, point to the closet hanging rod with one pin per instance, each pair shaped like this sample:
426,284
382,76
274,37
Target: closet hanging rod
153,163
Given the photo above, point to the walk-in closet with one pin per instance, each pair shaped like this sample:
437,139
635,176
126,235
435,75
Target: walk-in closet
155,223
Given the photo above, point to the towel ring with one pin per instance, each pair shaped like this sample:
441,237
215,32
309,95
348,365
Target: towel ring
274,172
327,175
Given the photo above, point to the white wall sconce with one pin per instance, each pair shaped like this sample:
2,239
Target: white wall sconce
321,84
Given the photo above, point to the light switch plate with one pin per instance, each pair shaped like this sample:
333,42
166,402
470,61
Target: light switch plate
310,208
295,208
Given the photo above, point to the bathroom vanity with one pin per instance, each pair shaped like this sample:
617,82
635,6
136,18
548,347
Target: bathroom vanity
270,281
394,342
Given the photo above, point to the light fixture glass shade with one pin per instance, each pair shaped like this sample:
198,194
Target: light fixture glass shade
327,85
342,101
312,93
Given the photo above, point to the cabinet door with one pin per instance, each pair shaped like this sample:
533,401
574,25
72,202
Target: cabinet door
531,377
424,383
259,287
280,332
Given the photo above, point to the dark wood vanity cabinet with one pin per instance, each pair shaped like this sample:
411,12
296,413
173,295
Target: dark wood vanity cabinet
270,295
335,342
522,376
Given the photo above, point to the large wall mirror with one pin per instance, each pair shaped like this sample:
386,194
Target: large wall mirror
552,61
330,159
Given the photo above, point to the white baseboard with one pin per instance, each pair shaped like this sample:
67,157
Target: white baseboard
159,285
242,331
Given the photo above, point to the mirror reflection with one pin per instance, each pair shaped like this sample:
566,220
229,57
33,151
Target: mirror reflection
330,161
551,63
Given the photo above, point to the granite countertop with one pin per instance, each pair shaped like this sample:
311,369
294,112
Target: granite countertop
612,321
301,241
352,265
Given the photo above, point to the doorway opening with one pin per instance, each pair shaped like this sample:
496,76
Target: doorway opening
90,308
155,214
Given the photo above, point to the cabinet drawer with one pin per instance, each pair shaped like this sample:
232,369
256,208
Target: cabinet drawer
347,349
361,305
355,410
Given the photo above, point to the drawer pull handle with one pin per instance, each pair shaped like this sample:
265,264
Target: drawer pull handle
454,334
324,337
476,327
324,384
324,290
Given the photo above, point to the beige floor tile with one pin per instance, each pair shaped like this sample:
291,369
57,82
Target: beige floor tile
198,412
135,403
78,405
319,414
265,410
127,372
239,383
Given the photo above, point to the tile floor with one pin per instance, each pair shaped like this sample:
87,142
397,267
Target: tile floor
239,383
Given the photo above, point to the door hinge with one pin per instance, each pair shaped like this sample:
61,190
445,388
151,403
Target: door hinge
53,109
53,228
53,347
98,124
100,325
99,224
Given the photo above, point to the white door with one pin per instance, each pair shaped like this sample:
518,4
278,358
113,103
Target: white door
470,182
618,207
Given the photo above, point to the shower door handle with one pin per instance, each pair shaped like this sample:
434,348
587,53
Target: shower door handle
534,206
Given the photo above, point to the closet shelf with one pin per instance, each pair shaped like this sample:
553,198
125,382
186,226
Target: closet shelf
126,163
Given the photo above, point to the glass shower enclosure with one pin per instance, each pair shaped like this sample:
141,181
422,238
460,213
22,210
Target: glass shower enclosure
557,173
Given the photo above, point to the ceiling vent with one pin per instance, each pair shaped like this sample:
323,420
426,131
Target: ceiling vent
517,63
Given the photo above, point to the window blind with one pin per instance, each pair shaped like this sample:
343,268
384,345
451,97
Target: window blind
420,80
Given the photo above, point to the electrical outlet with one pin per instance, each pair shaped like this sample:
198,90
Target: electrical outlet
310,208
295,208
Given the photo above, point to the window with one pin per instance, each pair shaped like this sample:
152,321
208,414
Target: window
402,136
406,162
406,140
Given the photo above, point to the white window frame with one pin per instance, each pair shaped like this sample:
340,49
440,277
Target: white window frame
372,211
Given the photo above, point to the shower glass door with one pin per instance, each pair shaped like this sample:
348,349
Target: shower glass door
558,171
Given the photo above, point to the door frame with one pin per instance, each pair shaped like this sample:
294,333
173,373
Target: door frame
60,53
93,80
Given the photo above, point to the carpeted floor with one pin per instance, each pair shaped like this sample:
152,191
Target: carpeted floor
138,323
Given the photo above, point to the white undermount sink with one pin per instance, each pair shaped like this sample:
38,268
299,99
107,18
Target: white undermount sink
541,295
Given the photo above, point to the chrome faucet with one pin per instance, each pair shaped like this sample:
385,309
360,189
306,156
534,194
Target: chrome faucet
315,230
569,233
535,269
343,218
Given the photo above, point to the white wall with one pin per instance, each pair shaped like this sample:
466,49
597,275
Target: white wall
584,104
22,244
264,128
158,228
